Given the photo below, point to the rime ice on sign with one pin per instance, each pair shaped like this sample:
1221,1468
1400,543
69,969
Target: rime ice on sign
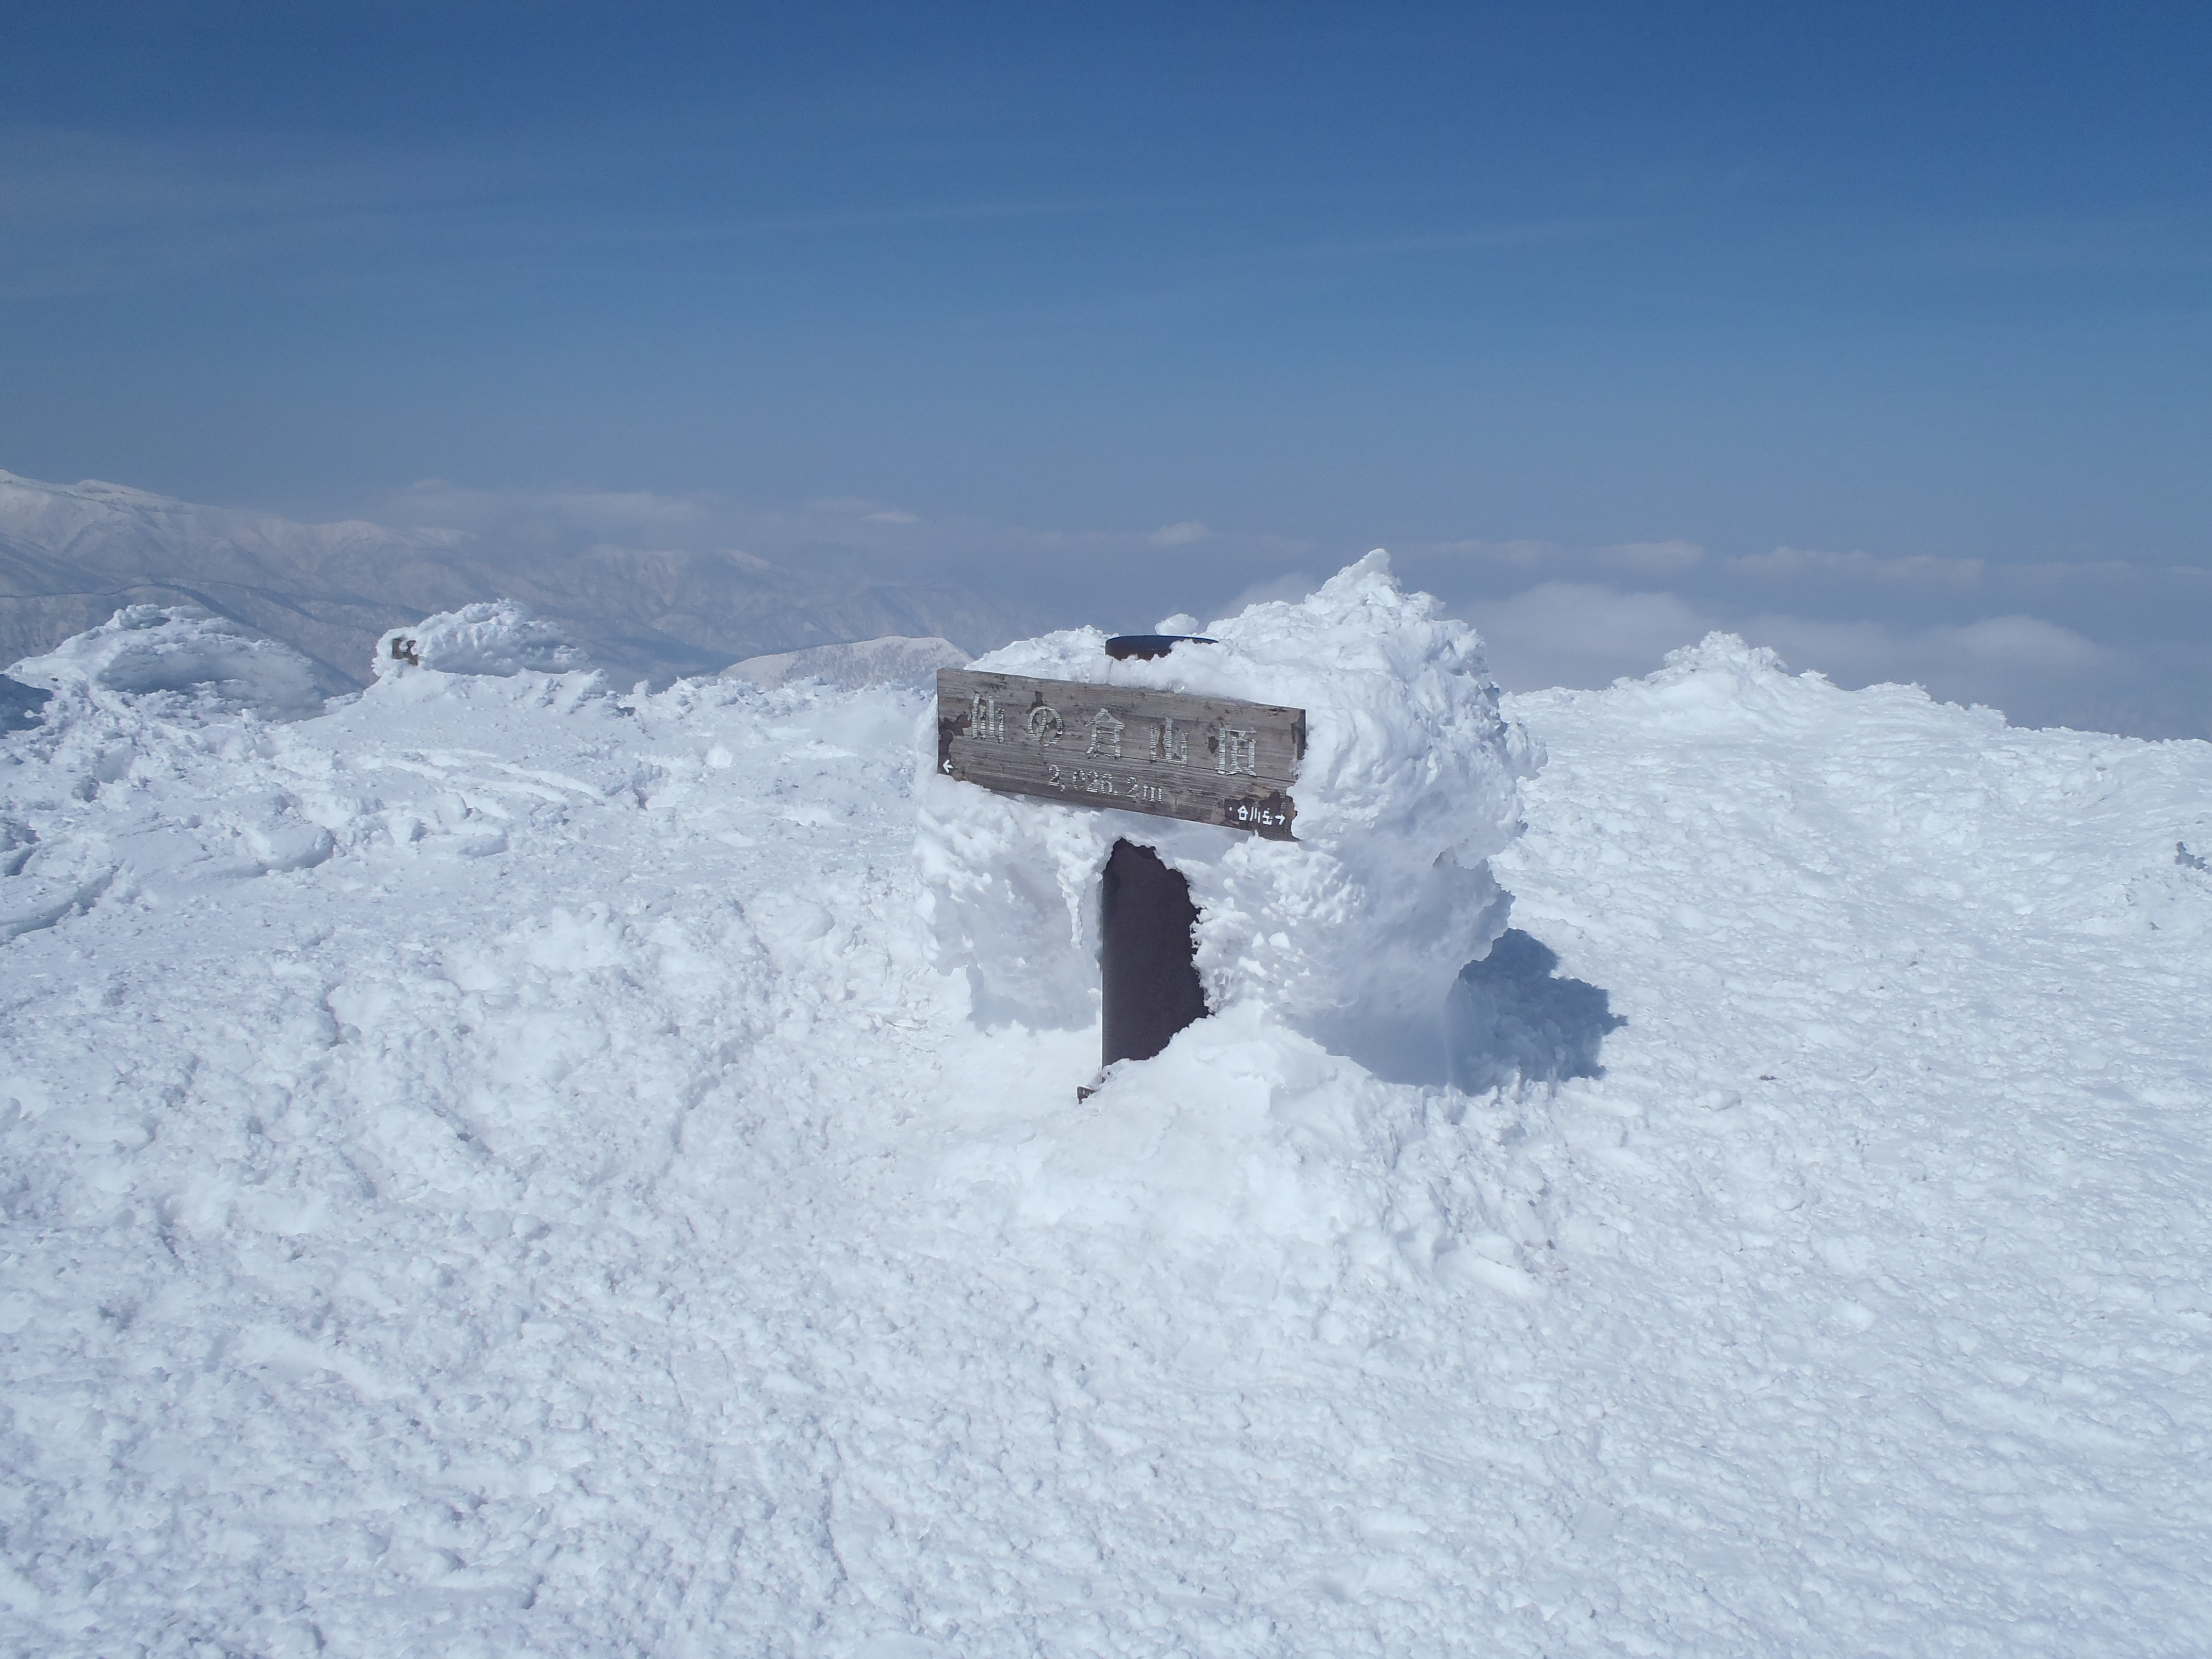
1352,932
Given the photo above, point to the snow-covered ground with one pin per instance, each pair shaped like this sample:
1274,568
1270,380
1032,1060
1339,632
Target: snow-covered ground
492,1170
893,660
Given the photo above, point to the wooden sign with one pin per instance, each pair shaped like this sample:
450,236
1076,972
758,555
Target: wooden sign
1212,760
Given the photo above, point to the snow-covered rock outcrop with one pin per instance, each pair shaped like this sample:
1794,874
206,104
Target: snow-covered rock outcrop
1354,933
183,653
497,637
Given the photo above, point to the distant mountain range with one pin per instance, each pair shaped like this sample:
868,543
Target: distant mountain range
71,554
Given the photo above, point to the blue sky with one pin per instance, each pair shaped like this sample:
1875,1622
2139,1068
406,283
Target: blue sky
1902,289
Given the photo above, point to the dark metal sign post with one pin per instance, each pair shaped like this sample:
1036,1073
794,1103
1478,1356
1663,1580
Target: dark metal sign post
1147,982
1211,760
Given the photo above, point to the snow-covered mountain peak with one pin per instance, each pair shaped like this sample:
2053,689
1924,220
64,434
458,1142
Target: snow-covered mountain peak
1720,653
99,491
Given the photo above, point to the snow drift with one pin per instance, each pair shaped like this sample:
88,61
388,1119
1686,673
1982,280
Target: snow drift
498,637
182,654
1353,934
494,1168
894,660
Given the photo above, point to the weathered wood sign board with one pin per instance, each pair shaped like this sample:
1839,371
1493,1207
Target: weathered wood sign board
1212,760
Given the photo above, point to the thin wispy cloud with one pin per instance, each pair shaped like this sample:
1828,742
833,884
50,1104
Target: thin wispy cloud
1651,558
890,218
2166,239
2108,645
1477,239
84,212
1788,563
1179,535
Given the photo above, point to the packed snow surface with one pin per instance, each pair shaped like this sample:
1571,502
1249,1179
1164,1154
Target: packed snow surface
894,660
493,1168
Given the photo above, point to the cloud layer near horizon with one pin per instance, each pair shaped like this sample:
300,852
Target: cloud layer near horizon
2110,646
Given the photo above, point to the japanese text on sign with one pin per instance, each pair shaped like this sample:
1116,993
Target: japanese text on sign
1212,760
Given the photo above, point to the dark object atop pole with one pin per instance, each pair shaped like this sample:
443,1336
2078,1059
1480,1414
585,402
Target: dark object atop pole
1148,973
1122,647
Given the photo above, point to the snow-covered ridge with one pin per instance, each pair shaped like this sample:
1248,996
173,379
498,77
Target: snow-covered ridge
71,555
492,1167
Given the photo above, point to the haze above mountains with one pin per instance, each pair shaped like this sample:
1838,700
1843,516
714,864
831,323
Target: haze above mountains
656,586
71,555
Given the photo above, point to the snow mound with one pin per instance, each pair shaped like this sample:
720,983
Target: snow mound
493,1169
894,660
1354,933
496,636
1247,1148
186,655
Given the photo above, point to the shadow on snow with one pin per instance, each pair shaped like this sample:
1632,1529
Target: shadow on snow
1508,1018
